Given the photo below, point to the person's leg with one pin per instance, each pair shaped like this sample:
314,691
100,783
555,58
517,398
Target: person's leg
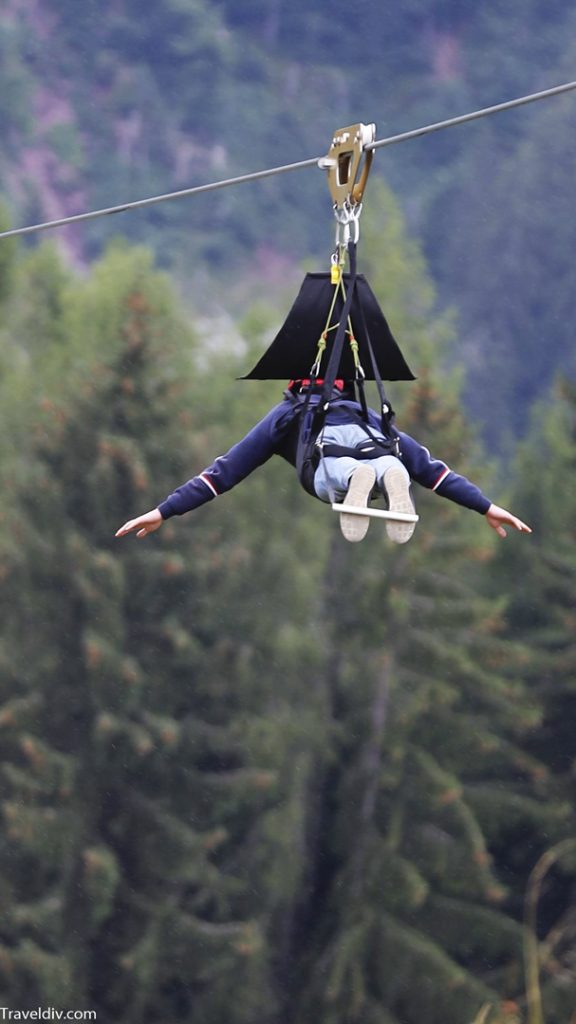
332,477
383,464
394,482
354,526
350,482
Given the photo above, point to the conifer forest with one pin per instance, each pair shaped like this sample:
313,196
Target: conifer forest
251,773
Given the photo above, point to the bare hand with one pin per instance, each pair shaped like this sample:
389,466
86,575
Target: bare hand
143,525
497,517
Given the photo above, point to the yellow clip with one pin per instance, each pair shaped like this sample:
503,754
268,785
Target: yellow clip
336,265
347,171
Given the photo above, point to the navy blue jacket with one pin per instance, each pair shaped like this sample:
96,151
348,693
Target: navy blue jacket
277,434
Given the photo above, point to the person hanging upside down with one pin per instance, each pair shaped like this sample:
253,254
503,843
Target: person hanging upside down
354,465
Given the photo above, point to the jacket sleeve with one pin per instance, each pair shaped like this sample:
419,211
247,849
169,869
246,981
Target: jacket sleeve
437,476
228,470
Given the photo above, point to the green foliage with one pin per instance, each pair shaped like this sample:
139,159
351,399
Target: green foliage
7,256
37,326
16,85
430,715
250,772
427,697
541,612
146,753
516,309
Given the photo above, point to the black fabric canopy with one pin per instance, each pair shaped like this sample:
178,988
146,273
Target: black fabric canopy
293,351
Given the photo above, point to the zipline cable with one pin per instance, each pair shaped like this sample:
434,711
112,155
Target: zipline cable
140,203
299,165
417,133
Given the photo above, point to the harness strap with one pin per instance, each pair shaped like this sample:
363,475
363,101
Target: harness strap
335,355
362,397
386,411
390,436
366,450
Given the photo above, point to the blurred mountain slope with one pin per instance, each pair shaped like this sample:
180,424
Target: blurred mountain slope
99,107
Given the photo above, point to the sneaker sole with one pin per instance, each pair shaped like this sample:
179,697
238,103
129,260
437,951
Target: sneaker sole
354,527
399,500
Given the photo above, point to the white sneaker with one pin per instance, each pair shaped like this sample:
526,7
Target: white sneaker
355,527
397,487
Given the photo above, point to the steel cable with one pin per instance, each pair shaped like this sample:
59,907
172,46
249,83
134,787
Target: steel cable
415,133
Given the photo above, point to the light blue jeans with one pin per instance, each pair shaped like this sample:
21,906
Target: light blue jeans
332,476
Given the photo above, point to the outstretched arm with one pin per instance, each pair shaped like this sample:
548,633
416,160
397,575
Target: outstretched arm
228,470
224,473
498,517
142,525
437,476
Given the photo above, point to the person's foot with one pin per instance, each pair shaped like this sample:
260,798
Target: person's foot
354,526
397,488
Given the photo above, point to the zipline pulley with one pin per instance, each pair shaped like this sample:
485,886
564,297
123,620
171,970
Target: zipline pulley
348,165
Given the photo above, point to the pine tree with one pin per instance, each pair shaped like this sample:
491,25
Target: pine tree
542,581
504,255
408,920
7,257
153,768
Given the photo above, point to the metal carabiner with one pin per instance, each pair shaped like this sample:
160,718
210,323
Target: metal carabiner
347,222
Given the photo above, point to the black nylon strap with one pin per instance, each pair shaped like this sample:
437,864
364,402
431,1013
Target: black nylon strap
387,413
362,397
338,451
335,355
389,433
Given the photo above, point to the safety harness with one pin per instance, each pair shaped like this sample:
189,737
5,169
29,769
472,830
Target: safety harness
313,413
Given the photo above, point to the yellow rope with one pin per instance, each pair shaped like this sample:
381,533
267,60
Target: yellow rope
323,337
353,343
337,280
